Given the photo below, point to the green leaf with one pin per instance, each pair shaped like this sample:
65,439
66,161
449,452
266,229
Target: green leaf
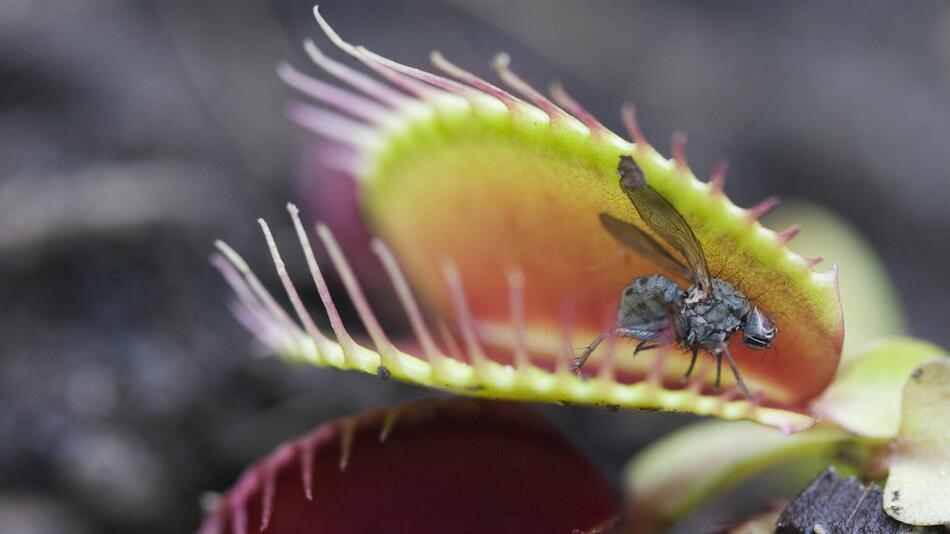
677,473
865,398
918,488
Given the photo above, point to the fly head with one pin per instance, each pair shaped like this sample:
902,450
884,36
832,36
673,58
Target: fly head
758,329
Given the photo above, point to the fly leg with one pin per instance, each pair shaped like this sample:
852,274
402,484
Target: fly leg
718,370
735,371
635,333
642,346
692,363
578,362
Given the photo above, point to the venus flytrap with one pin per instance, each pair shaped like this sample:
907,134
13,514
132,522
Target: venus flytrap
485,204
489,202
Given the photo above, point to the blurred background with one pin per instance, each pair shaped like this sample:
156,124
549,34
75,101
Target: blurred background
134,133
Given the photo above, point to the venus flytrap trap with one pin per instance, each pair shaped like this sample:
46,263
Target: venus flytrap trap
485,202
427,466
490,203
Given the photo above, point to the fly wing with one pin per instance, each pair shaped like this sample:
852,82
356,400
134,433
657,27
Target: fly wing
663,219
640,242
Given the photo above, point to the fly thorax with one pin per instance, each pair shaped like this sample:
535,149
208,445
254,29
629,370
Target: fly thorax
715,315
695,294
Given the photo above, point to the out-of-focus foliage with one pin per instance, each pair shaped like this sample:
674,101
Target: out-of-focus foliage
865,398
918,489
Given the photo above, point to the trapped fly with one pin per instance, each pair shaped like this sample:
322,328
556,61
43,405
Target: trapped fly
658,312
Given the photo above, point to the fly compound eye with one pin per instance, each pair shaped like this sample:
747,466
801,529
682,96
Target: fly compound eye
756,342
759,330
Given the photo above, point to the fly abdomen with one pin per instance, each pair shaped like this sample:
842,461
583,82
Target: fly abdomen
646,302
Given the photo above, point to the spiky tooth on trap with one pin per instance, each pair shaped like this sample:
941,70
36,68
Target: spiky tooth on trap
464,319
788,234
409,304
267,496
307,451
332,125
478,99
501,63
347,432
389,421
384,347
338,98
717,177
289,288
678,149
762,208
347,345
354,78
628,115
410,85
566,101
